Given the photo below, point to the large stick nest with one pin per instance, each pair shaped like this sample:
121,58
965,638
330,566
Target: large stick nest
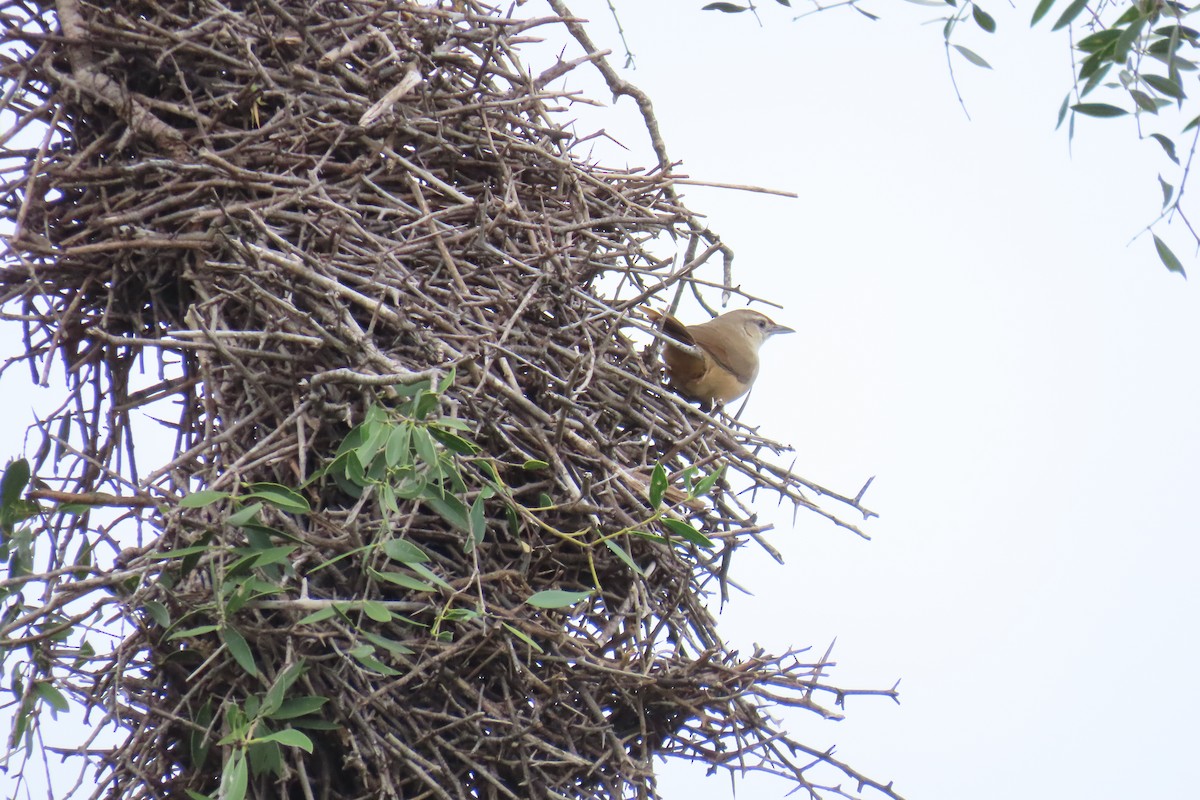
259,217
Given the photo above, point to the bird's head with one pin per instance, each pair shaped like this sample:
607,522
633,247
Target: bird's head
757,326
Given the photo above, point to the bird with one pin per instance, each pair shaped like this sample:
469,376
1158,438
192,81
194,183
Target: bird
715,361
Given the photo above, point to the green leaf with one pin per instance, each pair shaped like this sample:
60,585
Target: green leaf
364,655
16,478
245,516
279,688
1062,111
188,633
1042,7
1144,101
280,496
429,575
658,485
426,403
1169,259
1167,145
375,436
447,380
157,612
316,724
426,449
534,464
461,614
412,389
317,616
202,498
289,737
235,777
654,537
449,508
397,452
404,551
1070,14
983,19
1132,13
454,442
1195,121
348,474
477,519
1099,41
274,555
523,637
620,553
707,483
1128,36
198,742
390,645
299,707
973,57
1094,76
556,598
403,581
728,8
1098,110
375,611
239,649
686,531
1168,191
1165,86
53,697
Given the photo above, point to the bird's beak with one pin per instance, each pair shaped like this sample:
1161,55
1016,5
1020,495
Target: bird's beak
774,329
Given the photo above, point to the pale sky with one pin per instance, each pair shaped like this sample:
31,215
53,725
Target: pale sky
974,330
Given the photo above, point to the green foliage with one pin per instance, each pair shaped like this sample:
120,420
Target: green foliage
1135,54
556,598
402,453
257,729
1148,49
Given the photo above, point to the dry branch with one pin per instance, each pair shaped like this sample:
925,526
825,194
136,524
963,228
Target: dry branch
260,217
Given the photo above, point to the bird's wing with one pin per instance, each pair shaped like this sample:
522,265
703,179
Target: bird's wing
718,347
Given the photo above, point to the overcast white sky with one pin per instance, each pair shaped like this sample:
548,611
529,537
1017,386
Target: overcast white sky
973,329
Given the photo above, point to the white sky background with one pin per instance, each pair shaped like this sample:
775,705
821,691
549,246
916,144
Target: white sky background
974,330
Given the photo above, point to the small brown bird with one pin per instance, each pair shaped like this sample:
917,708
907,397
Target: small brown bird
716,361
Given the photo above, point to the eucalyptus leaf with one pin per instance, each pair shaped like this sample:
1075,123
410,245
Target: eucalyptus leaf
1167,145
282,497
1040,11
1070,14
983,19
658,485
289,737
973,57
205,497
556,598
404,551
1098,110
686,531
523,637
620,553
239,649
1168,258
